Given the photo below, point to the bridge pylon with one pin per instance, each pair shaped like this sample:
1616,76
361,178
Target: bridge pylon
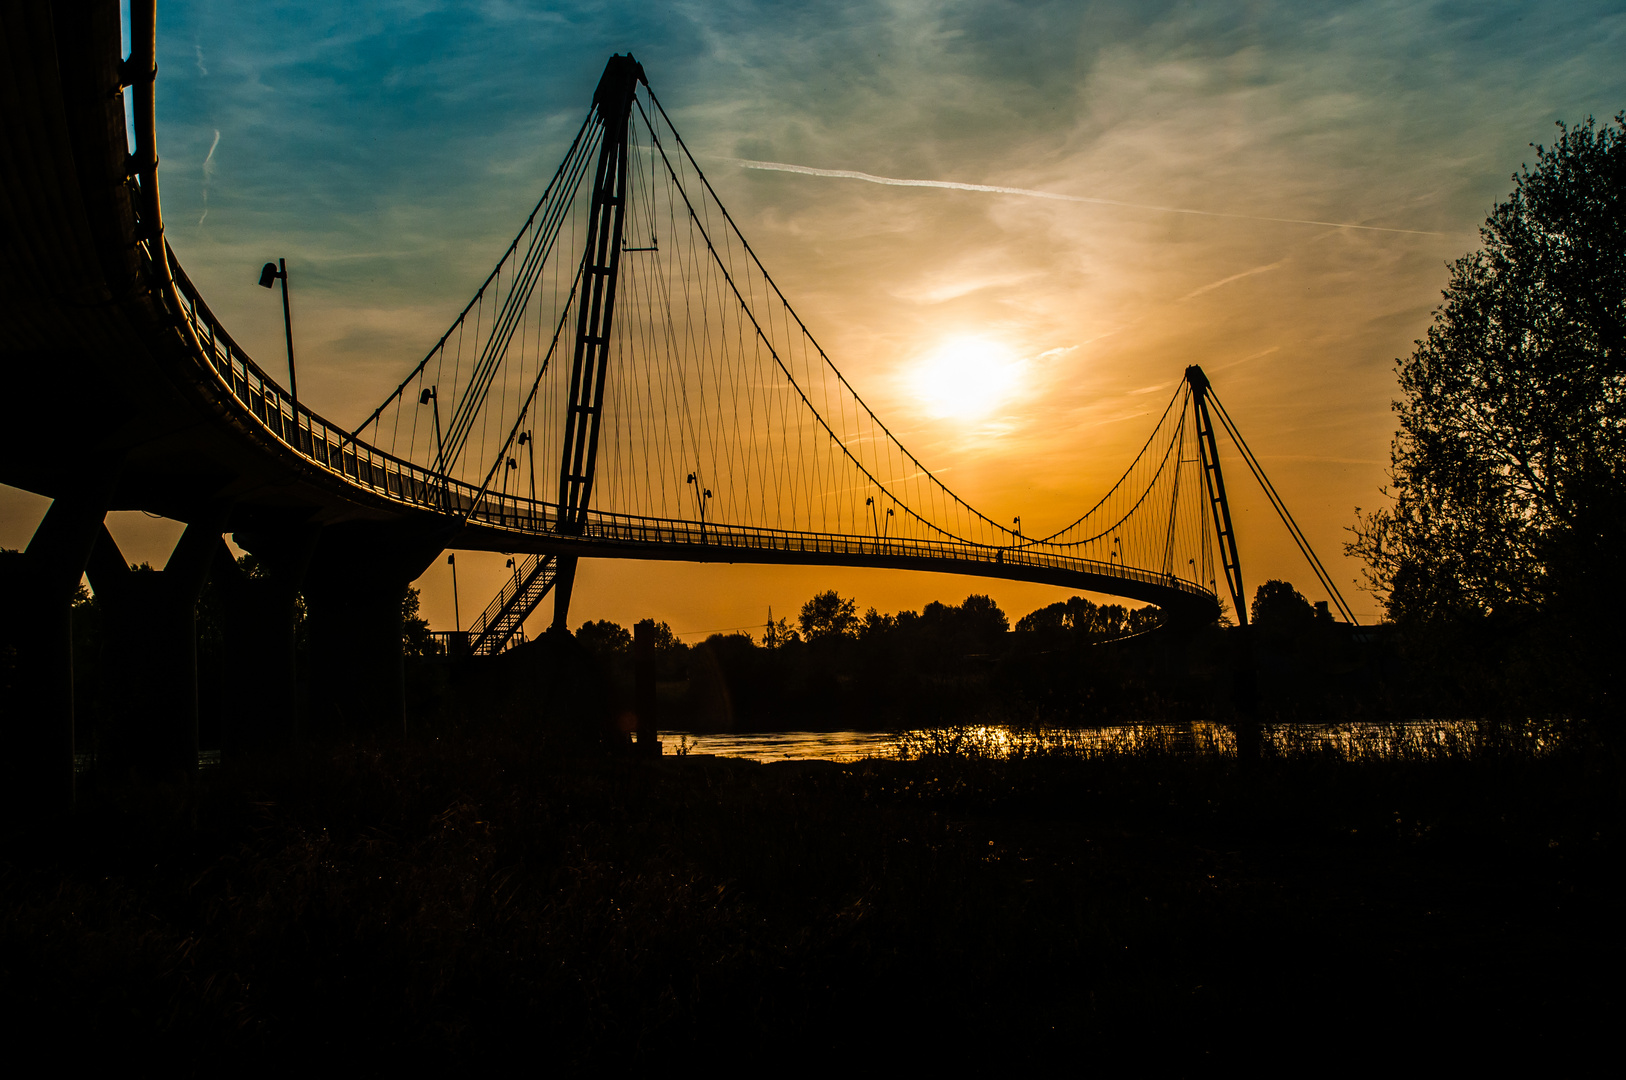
584,408
1214,480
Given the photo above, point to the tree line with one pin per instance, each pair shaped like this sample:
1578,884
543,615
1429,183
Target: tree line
1073,662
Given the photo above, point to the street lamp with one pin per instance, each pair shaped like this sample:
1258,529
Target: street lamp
270,274
701,494
429,395
526,440
457,620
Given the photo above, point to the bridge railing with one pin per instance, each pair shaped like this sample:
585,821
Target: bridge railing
333,449
307,433
630,529
518,514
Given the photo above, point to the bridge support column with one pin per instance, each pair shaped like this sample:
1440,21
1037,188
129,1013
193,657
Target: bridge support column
261,640
1250,738
150,651
563,582
36,659
353,593
645,699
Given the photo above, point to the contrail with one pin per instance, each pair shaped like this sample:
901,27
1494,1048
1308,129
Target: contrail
993,189
1212,285
208,165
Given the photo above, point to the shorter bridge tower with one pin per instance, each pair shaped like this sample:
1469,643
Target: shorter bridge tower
1214,481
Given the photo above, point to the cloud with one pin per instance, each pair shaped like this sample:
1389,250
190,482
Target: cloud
994,189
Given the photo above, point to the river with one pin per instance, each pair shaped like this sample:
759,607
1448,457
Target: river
1411,737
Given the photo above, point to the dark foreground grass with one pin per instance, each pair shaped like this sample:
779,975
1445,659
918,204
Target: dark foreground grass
458,902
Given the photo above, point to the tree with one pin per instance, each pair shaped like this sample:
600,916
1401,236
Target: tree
828,616
982,617
1080,616
1143,619
1277,606
604,639
1050,619
779,632
876,626
415,636
1509,468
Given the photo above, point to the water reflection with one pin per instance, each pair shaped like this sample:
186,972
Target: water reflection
1412,738
785,745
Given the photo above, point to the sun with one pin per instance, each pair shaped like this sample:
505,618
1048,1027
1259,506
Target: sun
966,378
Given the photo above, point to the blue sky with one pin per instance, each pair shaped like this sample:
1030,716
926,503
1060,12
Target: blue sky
389,151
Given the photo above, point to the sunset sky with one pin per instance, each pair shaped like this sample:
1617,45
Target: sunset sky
1272,191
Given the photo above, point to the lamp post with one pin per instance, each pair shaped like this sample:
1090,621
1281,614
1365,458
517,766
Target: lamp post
430,395
457,620
701,494
526,440
268,275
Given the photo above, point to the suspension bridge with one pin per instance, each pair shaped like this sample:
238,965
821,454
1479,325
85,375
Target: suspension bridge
627,382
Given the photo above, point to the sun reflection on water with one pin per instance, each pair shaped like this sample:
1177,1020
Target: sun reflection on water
1347,740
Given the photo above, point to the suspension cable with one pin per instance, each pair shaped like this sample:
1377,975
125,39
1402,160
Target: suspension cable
1282,511
1005,529
480,292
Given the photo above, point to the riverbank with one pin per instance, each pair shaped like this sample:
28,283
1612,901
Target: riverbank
456,901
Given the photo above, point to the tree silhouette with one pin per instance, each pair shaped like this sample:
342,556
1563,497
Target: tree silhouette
779,632
1096,622
828,616
415,638
604,638
1509,467
1277,606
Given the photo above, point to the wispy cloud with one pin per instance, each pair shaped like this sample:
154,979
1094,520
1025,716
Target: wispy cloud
1030,193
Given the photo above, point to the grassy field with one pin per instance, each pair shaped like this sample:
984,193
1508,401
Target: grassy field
469,899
